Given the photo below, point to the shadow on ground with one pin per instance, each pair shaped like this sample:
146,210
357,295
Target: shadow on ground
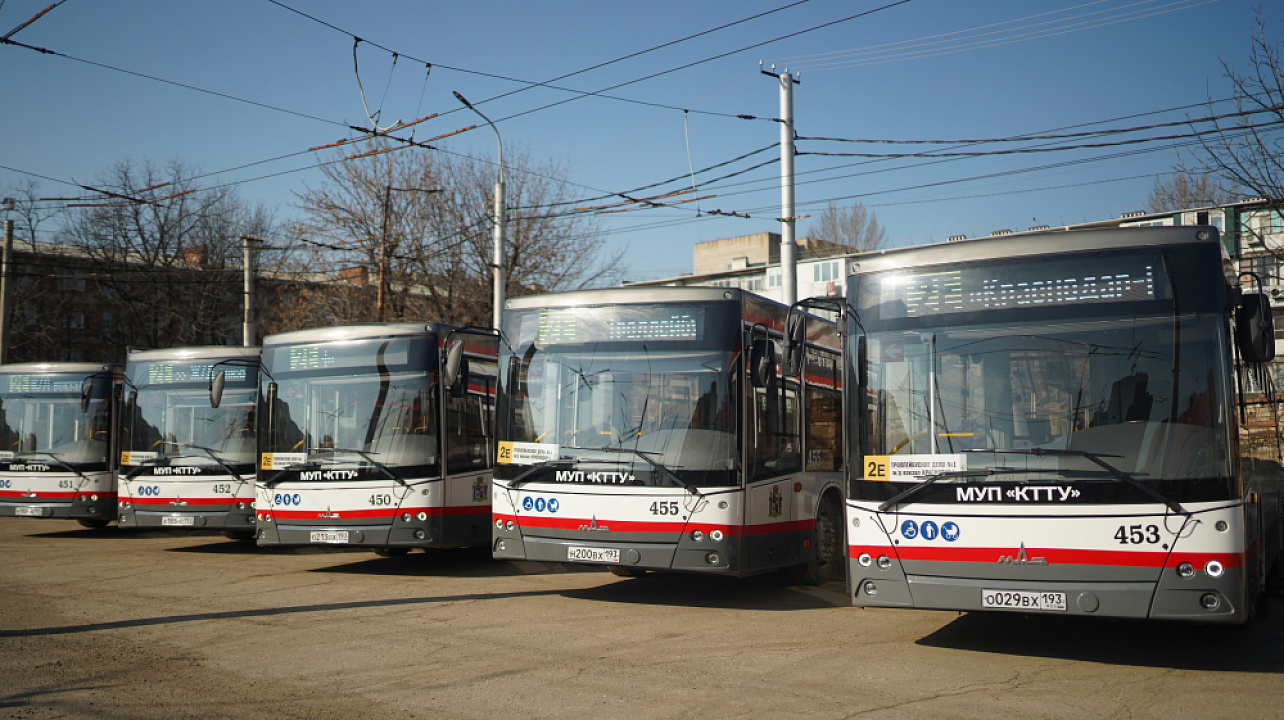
769,591
1121,642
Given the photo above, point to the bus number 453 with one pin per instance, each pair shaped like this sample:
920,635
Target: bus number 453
1136,534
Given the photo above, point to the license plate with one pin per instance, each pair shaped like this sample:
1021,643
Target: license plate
29,512
178,521
591,554
330,537
1023,600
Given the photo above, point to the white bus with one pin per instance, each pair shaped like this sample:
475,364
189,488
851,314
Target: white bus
183,463
1060,423
363,442
57,453
651,429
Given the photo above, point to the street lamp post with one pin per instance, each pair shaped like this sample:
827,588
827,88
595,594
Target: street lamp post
8,204
498,260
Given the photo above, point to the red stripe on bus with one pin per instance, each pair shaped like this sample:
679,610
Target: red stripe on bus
41,495
1054,556
390,512
645,526
149,501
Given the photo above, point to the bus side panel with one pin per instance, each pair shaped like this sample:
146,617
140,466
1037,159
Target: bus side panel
370,514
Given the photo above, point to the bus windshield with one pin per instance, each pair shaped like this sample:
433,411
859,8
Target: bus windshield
40,415
169,413
633,394
369,403
1046,396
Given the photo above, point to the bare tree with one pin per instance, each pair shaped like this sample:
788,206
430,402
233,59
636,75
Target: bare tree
1183,190
165,255
855,227
1245,152
428,214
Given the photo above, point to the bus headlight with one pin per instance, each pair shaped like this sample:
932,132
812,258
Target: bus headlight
1185,569
884,562
697,536
499,523
864,560
509,526
405,517
421,516
1214,568
94,497
716,536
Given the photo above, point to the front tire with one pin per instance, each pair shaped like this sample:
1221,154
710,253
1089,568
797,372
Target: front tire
391,552
826,561
94,524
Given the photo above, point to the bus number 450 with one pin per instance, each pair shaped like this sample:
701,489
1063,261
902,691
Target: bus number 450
1136,534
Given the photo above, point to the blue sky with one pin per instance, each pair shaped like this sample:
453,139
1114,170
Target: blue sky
918,70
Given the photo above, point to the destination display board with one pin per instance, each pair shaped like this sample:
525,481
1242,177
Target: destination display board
570,326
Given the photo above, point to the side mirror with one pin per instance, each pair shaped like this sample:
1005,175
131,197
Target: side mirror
762,362
1255,328
86,394
795,344
454,363
216,388
459,388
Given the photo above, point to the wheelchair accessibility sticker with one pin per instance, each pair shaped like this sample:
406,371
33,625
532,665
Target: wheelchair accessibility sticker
929,530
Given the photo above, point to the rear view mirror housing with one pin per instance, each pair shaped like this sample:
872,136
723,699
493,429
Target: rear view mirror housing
1255,328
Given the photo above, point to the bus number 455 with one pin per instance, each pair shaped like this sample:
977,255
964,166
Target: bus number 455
1136,534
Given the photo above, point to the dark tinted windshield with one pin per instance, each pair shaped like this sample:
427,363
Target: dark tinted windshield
41,413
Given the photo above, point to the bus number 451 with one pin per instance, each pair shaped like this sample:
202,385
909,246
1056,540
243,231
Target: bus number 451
1136,534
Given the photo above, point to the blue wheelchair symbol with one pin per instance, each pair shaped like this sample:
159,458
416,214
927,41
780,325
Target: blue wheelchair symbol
950,531
527,504
909,529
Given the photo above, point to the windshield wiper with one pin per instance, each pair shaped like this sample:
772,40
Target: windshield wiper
58,460
1096,459
222,463
275,479
931,479
691,488
367,456
529,473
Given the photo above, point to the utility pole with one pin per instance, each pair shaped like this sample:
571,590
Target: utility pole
7,205
788,259
497,299
249,333
383,254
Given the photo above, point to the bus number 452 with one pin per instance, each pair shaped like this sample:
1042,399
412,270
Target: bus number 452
1137,534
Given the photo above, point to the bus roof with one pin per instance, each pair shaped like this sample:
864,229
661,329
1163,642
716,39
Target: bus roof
192,353
68,367
628,295
1054,242
360,331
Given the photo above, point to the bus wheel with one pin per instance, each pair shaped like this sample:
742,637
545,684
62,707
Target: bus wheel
627,572
391,552
826,558
94,524
242,535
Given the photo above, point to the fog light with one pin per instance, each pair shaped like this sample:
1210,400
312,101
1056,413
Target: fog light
716,536
871,589
711,558
420,535
1210,601
697,536
1185,569
864,560
884,562
499,546
421,516
1214,568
